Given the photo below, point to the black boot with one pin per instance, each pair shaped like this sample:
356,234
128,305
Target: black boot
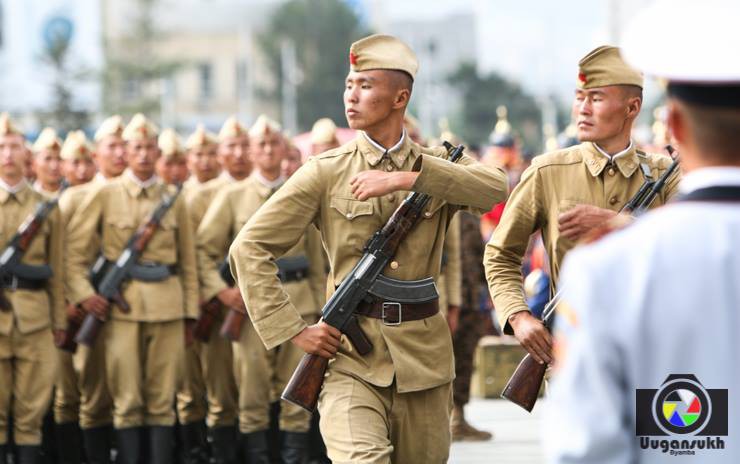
293,449
3,454
128,444
161,444
69,443
254,446
97,444
223,445
27,454
195,446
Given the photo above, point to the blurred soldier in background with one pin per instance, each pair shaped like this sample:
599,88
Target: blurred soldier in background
171,165
47,164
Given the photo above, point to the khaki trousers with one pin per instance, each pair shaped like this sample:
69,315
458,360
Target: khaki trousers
208,389
363,424
142,366
260,376
66,394
96,403
27,372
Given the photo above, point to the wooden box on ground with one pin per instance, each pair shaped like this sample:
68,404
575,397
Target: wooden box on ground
496,358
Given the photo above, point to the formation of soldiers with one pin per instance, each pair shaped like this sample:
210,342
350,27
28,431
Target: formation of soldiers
248,231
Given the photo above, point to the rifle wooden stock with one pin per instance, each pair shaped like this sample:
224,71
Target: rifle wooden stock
305,384
208,313
232,326
68,342
524,385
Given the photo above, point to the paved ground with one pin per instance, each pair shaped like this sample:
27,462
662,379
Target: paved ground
517,434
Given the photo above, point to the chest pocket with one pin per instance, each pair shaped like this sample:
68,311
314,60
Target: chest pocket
353,217
351,209
435,204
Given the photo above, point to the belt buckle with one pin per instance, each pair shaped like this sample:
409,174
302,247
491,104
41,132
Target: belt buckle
390,304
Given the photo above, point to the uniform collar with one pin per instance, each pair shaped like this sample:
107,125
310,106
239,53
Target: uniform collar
136,186
374,152
20,191
597,159
265,187
226,176
40,188
710,177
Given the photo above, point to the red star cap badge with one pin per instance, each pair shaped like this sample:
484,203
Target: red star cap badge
582,77
352,58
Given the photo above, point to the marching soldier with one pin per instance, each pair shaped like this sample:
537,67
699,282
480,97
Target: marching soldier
78,169
32,309
201,150
47,164
171,166
568,192
323,136
144,343
260,372
110,149
394,403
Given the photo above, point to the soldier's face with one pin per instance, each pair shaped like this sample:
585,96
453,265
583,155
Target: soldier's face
233,154
78,171
291,162
12,157
141,156
110,156
369,98
48,167
203,162
172,171
600,113
268,151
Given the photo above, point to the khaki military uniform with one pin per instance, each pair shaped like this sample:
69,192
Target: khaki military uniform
259,372
553,184
143,346
393,403
449,284
208,367
27,353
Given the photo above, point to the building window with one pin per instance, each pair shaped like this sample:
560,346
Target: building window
205,70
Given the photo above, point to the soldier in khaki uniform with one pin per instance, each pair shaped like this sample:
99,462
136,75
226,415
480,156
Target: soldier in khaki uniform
260,372
323,136
110,149
171,165
47,164
144,345
78,169
393,404
566,193
35,316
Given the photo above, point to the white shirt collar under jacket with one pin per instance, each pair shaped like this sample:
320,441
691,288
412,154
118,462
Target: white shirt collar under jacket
144,184
13,188
271,184
392,149
616,155
708,177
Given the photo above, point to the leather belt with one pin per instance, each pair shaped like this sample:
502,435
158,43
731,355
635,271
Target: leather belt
394,313
12,282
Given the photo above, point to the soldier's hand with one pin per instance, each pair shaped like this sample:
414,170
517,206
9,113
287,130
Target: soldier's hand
576,222
533,335
189,331
96,305
231,298
453,317
375,183
75,314
320,339
59,336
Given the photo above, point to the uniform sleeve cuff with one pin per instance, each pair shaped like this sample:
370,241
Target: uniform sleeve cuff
504,319
280,326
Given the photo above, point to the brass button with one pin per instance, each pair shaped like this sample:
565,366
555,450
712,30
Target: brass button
391,197
394,265
428,214
349,215
613,200
611,171
389,168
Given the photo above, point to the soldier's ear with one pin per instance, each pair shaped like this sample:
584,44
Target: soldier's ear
402,98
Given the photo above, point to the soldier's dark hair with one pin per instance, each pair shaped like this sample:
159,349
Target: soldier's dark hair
631,91
402,80
716,129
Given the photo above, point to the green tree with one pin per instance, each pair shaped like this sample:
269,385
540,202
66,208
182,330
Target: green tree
482,95
321,31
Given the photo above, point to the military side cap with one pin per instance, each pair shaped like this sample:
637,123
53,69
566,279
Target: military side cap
140,128
694,73
76,147
264,125
47,140
169,144
324,131
200,138
382,52
603,67
110,126
231,128
6,125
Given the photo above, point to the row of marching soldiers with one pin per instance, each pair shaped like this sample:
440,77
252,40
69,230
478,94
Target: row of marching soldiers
159,373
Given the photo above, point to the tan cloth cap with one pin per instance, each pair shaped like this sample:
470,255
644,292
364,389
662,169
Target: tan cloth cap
6,125
47,140
324,131
201,137
263,126
231,128
604,66
383,52
169,144
76,146
111,126
140,128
